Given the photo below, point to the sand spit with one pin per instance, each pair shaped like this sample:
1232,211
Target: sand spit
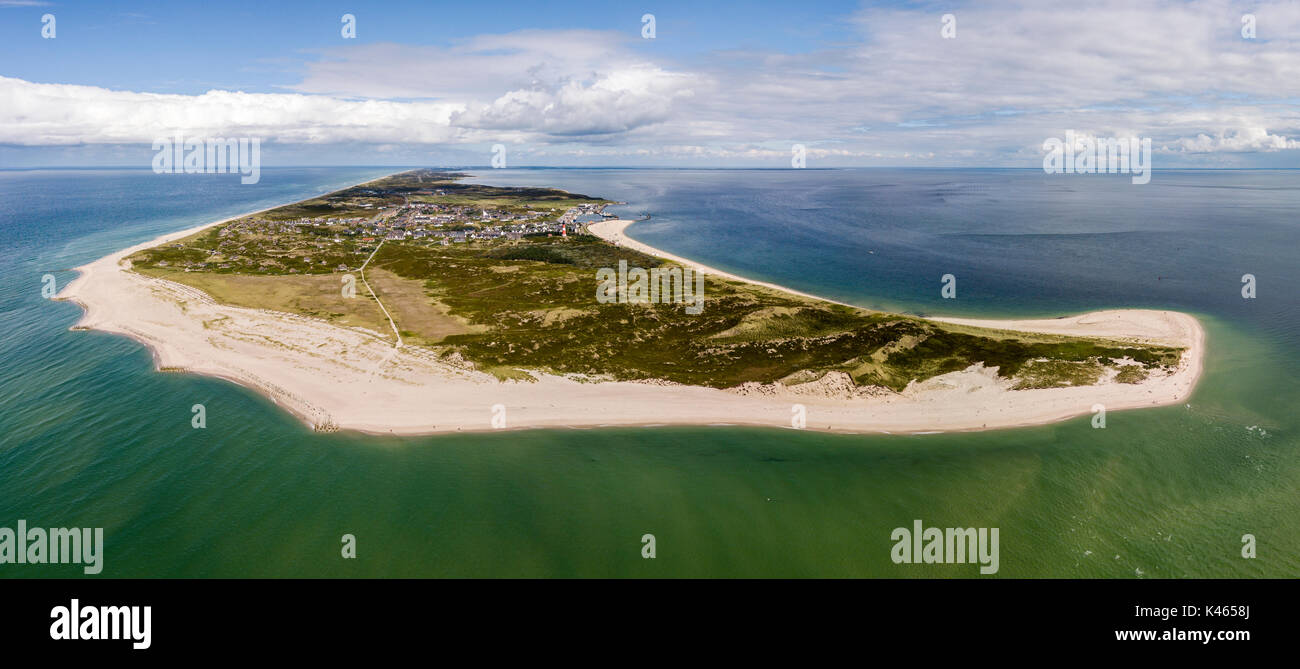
334,377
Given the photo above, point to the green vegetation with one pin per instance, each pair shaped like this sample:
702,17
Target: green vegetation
1131,374
483,272
1058,373
535,252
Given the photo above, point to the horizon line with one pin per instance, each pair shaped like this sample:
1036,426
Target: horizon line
639,167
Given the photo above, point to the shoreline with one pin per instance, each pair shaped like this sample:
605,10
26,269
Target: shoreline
612,231
332,377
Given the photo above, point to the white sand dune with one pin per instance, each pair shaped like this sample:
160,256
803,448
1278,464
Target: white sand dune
332,376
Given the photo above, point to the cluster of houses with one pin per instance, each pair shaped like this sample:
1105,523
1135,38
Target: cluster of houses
425,214
487,232
241,243
430,221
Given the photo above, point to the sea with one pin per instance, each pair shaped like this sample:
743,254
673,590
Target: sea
92,436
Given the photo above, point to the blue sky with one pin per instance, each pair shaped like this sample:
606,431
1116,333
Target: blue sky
575,83
190,47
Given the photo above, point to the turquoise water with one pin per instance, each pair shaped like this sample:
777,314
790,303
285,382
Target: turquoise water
91,436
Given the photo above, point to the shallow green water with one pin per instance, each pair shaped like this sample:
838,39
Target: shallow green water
90,435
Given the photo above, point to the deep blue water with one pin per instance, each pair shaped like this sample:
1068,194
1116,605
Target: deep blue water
1020,242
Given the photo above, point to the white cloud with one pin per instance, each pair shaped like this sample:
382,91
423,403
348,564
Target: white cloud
520,87
40,114
615,103
1235,141
481,67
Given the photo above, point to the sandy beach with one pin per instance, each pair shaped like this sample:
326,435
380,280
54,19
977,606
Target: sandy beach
342,378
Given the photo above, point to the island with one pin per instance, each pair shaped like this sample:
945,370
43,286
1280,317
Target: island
417,304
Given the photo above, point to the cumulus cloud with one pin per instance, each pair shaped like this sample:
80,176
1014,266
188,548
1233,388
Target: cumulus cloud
527,86
562,83
1236,141
481,67
615,103
1018,72
43,114
40,114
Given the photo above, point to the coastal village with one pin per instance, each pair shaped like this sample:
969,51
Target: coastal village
322,244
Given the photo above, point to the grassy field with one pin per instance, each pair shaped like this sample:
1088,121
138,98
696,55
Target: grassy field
510,305
421,317
318,296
